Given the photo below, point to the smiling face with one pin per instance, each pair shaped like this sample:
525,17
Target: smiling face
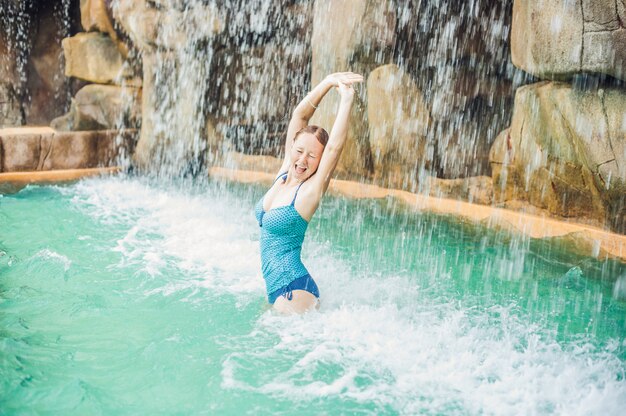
306,154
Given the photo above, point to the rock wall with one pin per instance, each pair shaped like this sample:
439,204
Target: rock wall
36,149
559,39
37,50
31,66
565,151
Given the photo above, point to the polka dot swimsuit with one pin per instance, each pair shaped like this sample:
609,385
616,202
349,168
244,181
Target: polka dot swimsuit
282,234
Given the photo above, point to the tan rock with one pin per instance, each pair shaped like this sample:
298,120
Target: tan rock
600,15
86,149
94,16
398,124
476,189
29,149
20,152
557,39
102,107
546,37
355,36
93,57
152,24
564,153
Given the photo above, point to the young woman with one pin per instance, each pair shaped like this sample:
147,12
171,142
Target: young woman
286,209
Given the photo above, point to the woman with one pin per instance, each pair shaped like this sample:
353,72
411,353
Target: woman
286,209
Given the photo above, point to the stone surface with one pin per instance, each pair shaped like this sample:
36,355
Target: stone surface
96,15
557,39
10,108
102,107
93,57
151,24
600,15
356,36
29,149
565,152
398,126
475,189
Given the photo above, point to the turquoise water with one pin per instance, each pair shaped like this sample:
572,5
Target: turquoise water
124,296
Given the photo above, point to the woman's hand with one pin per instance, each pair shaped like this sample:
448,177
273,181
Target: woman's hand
347,78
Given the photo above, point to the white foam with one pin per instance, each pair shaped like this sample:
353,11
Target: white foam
51,255
202,235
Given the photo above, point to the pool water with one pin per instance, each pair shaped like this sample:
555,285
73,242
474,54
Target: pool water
128,296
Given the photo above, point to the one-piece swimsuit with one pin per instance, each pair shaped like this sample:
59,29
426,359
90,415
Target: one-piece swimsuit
282,234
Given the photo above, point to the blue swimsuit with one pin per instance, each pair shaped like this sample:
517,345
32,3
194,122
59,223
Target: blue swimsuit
282,234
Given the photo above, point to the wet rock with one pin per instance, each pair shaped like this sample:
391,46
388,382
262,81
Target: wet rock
476,189
102,107
34,149
356,35
565,153
398,125
94,57
152,24
557,39
96,16
10,109
20,152
10,105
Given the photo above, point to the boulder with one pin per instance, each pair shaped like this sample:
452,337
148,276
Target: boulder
102,107
94,16
398,126
32,149
94,57
558,39
151,24
357,36
565,153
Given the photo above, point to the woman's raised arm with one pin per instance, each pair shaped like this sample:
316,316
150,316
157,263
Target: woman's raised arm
306,108
336,141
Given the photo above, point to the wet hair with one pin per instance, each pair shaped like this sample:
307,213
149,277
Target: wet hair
320,134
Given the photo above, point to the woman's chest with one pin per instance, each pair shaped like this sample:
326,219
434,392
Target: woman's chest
283,220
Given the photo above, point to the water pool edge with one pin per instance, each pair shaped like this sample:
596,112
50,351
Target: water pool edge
587,240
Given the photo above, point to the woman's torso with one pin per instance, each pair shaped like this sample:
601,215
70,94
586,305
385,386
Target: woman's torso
282,234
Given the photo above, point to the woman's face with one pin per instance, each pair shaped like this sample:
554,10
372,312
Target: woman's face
306,154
